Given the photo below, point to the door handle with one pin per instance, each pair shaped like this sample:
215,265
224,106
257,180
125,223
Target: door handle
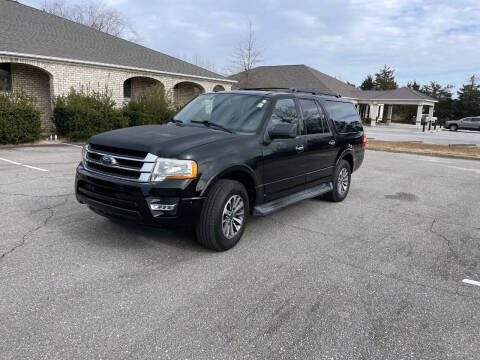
299,148
331,142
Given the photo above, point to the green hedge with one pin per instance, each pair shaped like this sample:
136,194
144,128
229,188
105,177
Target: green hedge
80,115
150,108
19,118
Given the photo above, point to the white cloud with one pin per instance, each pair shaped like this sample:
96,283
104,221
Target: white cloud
191,28
303,18
422,39
413,37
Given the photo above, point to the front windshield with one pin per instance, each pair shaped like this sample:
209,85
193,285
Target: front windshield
237,112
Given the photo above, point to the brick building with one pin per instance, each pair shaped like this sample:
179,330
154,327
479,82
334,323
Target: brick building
47,55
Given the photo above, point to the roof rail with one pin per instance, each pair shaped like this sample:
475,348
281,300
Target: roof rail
295,90
315,92
266,88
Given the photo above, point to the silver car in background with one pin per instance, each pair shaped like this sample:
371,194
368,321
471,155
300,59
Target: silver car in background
468,123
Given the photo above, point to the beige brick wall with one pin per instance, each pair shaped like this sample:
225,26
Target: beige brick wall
35,82
65,75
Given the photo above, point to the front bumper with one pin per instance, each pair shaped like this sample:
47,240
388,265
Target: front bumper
129,200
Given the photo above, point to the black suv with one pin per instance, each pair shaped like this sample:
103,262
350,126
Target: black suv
223,157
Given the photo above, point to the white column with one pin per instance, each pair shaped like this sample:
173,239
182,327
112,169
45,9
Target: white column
373,114
389,114
380,113
419,115
430,111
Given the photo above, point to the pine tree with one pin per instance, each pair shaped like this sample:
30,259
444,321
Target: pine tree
444,109
385,79
468,103
437,91
368,83
414,85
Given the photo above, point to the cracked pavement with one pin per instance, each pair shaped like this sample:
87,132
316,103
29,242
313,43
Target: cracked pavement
378,276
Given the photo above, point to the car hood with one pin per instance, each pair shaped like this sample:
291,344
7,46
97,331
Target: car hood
168,140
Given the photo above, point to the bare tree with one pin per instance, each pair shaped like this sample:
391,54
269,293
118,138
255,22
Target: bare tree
203,62
196,59
95,14
246,55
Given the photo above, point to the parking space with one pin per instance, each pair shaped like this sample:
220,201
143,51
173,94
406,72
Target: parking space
401,132
380,275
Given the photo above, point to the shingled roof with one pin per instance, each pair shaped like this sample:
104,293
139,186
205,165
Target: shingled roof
28,31
303,76
403,93
289,76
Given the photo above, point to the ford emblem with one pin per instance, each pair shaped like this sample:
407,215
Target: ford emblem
108,160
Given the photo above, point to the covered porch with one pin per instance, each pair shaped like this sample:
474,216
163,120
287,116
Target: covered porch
377,106
383,112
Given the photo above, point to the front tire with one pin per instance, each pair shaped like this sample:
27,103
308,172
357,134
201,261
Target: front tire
341,182
223,216
453,127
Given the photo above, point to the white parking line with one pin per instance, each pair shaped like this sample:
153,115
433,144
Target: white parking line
27,166
471,282
78,146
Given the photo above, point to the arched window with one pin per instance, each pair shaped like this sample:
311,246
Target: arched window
186,91
135,87
5,77
127,88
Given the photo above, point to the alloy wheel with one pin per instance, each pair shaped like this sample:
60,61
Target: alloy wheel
342,182
233,216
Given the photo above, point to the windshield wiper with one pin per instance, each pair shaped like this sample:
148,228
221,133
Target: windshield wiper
212,124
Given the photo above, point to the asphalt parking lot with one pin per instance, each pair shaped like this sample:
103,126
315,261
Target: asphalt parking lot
378,276
402,132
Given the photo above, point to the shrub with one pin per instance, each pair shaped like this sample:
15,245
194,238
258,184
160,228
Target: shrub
80,114
153,107
19,118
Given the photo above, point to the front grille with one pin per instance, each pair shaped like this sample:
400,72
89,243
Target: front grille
121,163
108,195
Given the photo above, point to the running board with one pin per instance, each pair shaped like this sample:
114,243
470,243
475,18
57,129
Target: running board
270,207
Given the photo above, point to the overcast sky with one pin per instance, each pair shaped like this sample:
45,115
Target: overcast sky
423,40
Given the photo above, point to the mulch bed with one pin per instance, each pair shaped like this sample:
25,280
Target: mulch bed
465,152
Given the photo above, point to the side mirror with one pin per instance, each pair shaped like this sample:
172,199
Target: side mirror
283,131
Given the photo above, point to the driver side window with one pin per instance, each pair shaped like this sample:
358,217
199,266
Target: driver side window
285,111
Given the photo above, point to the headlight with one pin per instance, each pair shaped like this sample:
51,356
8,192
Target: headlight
84,154
174,169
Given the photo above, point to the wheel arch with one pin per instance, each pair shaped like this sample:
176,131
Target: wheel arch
347,154
240,173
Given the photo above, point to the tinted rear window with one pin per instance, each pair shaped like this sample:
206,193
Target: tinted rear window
344,116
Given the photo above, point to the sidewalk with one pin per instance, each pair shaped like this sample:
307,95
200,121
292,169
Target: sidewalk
410,133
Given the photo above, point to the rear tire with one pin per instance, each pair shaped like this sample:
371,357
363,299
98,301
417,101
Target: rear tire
453,127
341,182
223,216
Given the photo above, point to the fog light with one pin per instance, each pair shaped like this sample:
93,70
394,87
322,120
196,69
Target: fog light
162,207
165,206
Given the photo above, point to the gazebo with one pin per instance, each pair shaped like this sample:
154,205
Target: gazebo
376,104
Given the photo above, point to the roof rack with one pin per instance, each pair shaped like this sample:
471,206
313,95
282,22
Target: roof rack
296,90
315,92
265,88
